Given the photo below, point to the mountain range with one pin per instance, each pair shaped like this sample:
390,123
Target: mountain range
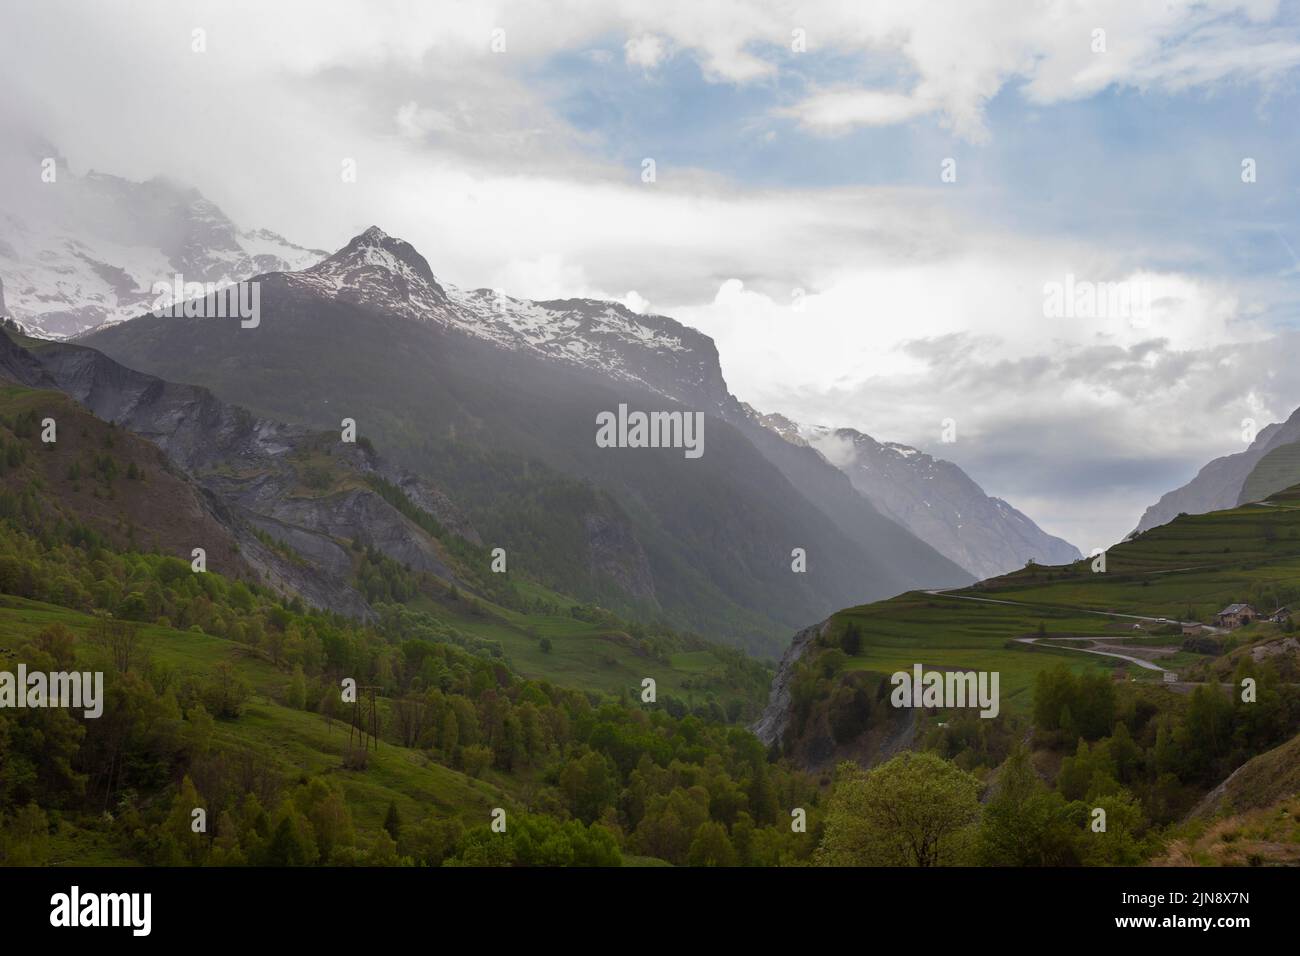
491,400
933,499
508,432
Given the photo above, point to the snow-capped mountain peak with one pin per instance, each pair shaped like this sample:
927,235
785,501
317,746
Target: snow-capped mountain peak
380,271
377,270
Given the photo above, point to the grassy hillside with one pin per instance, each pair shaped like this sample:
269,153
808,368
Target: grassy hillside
280,742
1156,732
606,658
121,488
242,716
227,696
101,478
1258,783
1251,819
1186,570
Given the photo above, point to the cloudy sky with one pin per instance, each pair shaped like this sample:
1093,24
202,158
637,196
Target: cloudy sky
867,205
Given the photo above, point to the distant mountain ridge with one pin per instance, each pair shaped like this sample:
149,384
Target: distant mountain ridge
932,498
1220,484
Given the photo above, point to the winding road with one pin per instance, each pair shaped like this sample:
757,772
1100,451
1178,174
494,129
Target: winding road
1140,662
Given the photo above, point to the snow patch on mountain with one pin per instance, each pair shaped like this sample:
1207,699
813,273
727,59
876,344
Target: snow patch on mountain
932,498
382,272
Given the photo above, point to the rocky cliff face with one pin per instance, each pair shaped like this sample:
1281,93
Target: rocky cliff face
306,491
19,366
771,727
814,740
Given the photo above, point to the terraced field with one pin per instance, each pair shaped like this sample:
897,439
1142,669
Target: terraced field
1184,571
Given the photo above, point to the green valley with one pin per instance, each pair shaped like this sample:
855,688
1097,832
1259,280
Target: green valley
226,696
482,693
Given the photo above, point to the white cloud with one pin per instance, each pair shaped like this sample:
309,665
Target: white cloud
417,122
841,110
546,277
962,55
636,302
645,51
894,348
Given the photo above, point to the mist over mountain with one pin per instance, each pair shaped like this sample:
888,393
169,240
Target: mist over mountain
79,251
89,252
877,525
934,499
496,398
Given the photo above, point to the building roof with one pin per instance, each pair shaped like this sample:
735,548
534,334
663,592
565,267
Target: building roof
1236,609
